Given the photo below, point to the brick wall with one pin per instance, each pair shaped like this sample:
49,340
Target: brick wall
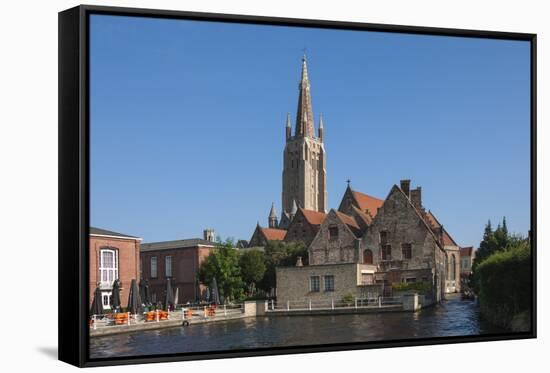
128,263
185,265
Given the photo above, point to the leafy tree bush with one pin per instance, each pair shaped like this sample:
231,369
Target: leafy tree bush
280,254
223,265
421,287
348,298
504,283
253,268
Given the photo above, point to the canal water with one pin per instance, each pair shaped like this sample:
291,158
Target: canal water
453,317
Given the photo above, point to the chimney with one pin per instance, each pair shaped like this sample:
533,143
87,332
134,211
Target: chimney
406,187
209,235
416,197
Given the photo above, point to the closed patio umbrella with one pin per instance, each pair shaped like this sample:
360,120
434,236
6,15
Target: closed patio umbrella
115,302
134,300
177,296
97,306
169,300
144,292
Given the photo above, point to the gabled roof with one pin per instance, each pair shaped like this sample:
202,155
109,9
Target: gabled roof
273,234
367,203
103,232
348,220
420,214
313,217
366,218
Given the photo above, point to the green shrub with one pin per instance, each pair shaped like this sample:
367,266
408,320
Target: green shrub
348,298
504,284
421,287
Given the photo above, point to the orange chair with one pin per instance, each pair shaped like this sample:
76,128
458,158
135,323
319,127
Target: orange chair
121,318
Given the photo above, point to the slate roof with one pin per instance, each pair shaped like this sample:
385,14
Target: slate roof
105,232
177,244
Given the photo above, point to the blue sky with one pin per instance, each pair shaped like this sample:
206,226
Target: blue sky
187,123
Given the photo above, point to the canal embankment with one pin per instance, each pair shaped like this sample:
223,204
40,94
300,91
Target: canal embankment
104,325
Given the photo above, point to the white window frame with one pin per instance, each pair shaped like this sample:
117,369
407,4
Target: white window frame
111,272
168,265
154,269
106,305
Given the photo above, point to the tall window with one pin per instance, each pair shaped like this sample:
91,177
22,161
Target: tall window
386,252
329,283
383,237
314,283
367,256
168,266
108,266
406,249
154,267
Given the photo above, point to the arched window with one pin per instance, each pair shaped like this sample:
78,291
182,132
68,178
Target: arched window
108,265
367,256
453,267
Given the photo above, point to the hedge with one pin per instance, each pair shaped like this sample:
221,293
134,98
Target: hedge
504,281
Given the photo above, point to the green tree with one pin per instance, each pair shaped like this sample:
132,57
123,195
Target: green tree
487,246
253,268
280,254
223,264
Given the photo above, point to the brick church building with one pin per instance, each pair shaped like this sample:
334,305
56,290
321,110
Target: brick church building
365,246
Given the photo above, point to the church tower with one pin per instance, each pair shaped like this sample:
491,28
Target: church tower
304,164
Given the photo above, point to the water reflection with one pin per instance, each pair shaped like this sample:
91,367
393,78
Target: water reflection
452,318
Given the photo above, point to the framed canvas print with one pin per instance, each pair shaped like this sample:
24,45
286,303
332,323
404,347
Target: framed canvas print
239,186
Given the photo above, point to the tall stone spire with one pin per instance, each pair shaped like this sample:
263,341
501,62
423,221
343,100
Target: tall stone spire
304,114
272,219
304,158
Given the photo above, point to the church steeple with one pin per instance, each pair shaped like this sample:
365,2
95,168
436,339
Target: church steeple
304,158
304,114
272,219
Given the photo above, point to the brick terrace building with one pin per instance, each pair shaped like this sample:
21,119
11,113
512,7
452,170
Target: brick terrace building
112,255
178,260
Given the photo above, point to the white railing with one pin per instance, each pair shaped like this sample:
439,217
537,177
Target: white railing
333,304
181,313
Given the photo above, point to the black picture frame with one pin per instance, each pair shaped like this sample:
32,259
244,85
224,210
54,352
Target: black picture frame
74,181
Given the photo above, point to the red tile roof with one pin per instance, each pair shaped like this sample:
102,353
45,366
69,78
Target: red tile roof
366,218
272,234
368,203
313,217
466,251
434,223
348,220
